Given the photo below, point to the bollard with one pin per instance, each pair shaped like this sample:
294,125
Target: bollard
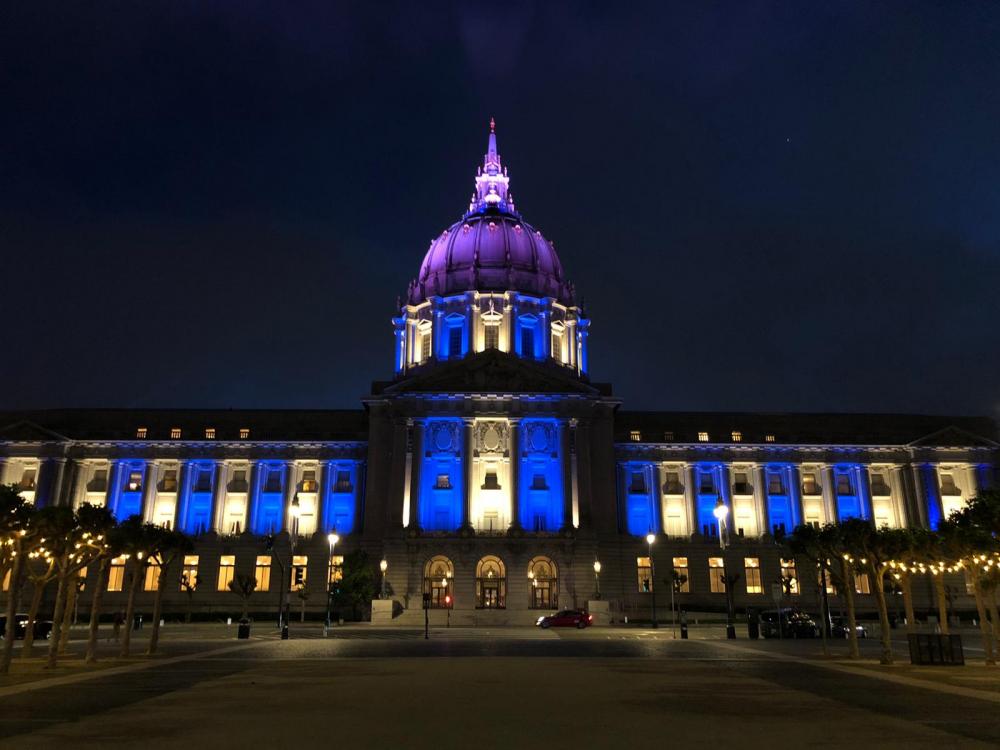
684,625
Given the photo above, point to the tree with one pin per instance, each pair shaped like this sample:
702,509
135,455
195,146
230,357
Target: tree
357,587
189,584
972,546
134,539
16,541
166,546
243,586
303,596
111,550
809,541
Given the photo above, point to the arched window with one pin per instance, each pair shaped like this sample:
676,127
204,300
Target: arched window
491,583
439,574
544,578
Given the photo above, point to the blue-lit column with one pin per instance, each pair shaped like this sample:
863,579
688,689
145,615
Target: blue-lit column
583,325
114,485
150,477
515,472
419,427
829,495
691,499
291,482
399,332
469,467
864,489
564,465
184,495
794,485
218,496
928,482
253,498
725,489
984,477
544,321
763,503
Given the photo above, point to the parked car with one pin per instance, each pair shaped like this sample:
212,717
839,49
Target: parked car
567,618
43,628
794,624
840,629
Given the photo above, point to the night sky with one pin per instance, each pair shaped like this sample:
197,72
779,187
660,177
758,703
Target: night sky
766,205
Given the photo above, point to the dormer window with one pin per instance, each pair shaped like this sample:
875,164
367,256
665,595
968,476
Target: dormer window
702,437
769,438
244,433
737,436
668,436
635,436
175,433
209,433
140,433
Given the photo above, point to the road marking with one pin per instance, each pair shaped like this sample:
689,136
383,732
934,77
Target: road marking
860,672
71,679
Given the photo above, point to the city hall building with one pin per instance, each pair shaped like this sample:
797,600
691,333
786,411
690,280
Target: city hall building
490,472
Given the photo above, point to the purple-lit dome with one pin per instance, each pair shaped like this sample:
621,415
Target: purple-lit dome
491,248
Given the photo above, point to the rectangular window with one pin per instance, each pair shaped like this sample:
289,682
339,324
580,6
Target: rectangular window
202,480
209,433
668,436
843,484
702,437
455,341
100,481
948,486
175,433
490,482
244,433
672,485
556,344
789,578
861,583
343,482
809,484
152,582
491,336
716,575
635,436
28,479
538,482
116,574
300,564
134,483
272,482
741,486
336,568
737,436
682,580
706,484
227,568
775,485
751,572
638,483
239,483
443,482
189,573
769,438
425,346
308,481
170,480
140,433
81,580
527,342
880,487
262,572
645,571
830,586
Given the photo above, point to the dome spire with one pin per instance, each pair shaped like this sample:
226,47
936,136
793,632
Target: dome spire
492,182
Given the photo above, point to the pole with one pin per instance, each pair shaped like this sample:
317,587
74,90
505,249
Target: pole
826,609
329,587
652,586
730,626
673,612
427,621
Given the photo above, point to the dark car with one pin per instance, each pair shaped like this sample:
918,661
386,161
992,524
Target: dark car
794,624
840,629
43,628
566,618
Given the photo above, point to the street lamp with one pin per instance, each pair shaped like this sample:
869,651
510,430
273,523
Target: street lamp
721,512
332,539
597,579
650,538
383,566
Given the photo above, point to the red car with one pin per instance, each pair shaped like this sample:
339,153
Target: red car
567,618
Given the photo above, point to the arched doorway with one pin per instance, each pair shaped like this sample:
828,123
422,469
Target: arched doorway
544,578
438,576
491,583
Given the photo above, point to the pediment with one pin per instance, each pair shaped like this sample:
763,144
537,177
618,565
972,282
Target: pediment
492,371
24,431
953,437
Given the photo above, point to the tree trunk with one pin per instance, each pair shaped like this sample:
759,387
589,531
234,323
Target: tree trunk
906,583
942,603
302,614
57,618
27,647
133,589
885,636
995,618
984,626
71,594
852,624
823,610
13,598
95,609
154,636
246,607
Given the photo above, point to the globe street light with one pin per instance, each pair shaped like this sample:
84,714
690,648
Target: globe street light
721,512
332,539
383,566
597,579
650,538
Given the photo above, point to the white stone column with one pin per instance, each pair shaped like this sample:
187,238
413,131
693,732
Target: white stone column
515,472
829,495
760,500
291,484
469,459
219,482
413,521
690,499
151,476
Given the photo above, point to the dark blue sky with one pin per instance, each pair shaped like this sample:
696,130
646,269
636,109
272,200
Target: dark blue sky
767,205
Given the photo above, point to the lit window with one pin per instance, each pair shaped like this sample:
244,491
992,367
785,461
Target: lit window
343,482
175,433
210,433
702,437
775,486
116,574
152,582
843,484
299,565
751,570
635,436
262,572
443,482
831,588
645,572
672,484
140,433
682,581
309,481
861,583
244,433
789,578
737,436
336,568
170,480
742,486
809,484
491,336
425,346
716,575
769,438
81,580
189,573
6,580
28,480
134,483
227,568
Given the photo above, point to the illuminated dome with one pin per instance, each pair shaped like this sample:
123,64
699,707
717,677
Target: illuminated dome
491,248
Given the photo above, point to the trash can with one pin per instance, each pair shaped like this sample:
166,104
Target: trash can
753,624
243,629
934,648
137,622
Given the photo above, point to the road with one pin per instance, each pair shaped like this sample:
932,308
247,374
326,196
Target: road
520,688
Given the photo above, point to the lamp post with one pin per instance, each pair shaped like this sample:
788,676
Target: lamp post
721,512
332,539
597,579
650,538
383,566
286,579
447,601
